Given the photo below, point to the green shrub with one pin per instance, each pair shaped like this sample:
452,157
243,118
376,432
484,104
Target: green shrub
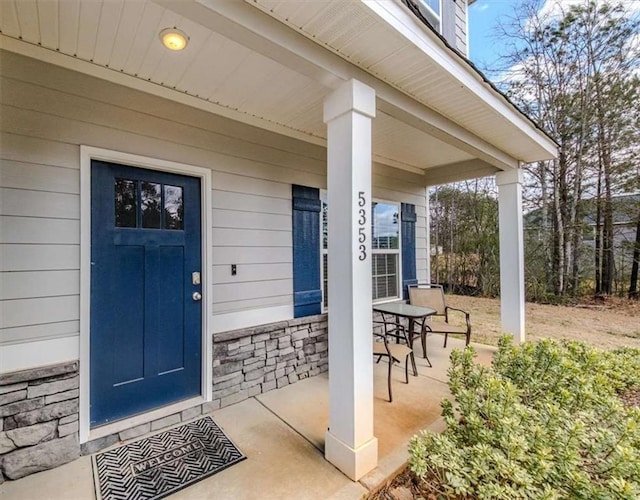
544,422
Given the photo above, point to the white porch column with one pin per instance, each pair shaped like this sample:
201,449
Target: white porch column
511,252
350,444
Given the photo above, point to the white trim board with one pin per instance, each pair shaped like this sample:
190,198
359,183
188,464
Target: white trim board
121,425
88,153
253,317
34,354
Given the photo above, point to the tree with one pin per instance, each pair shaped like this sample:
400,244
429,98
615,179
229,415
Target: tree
572,69
464,229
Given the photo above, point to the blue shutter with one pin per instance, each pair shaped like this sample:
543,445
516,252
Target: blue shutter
307,295
408,218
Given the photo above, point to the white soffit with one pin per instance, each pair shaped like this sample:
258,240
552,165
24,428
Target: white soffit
118,40
402,146
123,36
384,38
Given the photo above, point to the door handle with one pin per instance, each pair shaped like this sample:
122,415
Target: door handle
196,296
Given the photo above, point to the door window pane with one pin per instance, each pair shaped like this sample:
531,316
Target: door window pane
150,205
125,203
173,207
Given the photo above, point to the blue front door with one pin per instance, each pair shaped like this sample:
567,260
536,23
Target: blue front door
146,322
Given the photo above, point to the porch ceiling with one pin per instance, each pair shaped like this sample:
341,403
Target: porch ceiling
226,68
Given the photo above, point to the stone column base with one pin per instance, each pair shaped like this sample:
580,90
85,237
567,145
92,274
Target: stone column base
354,463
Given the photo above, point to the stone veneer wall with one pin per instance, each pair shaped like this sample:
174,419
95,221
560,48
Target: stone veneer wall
39,407
38,419
254,360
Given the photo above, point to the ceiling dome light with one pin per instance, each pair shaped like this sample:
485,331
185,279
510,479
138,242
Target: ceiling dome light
174,39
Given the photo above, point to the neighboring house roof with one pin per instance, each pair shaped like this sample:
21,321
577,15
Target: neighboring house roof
626,209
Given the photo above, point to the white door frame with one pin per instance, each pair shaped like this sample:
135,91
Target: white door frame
88,153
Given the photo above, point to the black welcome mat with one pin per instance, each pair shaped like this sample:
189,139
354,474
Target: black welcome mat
162,464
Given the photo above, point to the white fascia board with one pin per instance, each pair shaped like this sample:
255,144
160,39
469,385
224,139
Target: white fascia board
410,27
259,31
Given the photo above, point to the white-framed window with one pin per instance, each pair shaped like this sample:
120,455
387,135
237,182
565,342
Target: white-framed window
432,11
385,249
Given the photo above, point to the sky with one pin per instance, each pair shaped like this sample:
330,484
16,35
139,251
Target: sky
483,15
484,49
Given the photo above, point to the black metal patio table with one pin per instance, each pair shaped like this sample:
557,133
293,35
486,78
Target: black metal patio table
413,314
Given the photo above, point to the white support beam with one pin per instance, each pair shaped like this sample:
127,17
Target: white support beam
350,444
459,171
512,304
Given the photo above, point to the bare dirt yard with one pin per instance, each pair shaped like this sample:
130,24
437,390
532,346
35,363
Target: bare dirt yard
606,325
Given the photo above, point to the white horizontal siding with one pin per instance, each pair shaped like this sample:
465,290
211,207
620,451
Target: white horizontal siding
247,273
80,101
252,255
250,238
48,112
26,203
43,125
250,220
39,332
27,312
236,183
29,149
232,292
240,306
36,177
421,265
39,257
39,230
461,25
38,284
421,275
228,200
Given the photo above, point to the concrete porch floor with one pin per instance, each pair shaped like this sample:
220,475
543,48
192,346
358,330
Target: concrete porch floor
282,434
